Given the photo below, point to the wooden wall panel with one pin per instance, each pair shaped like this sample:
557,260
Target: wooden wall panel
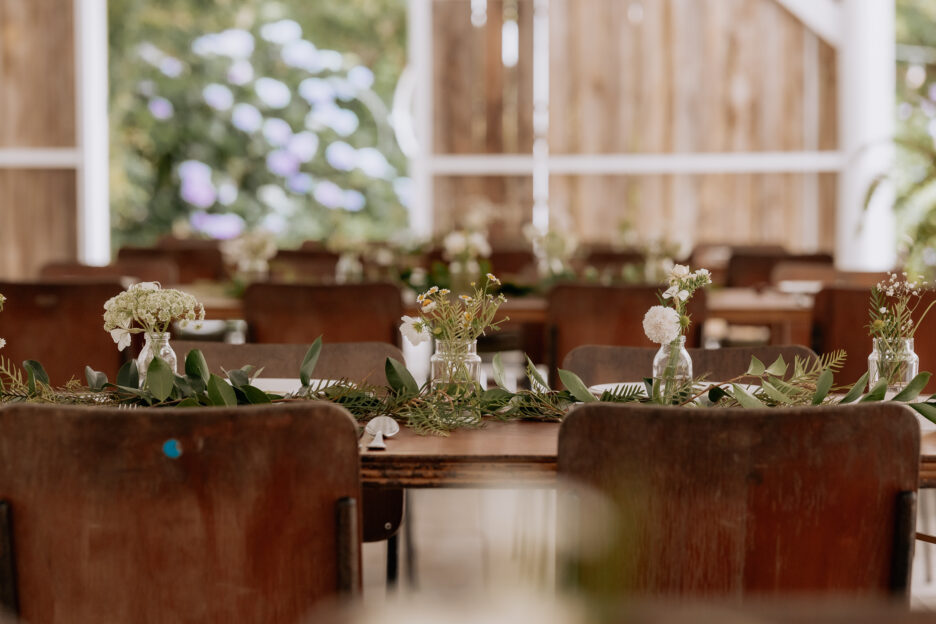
37,73
511,196
37,220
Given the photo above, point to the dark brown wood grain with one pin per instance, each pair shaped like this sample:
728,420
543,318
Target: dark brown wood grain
300,313
166,273
597,364
60,324
738,503
242,526
747,269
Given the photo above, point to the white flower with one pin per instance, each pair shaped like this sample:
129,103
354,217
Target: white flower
428,305
670,292
679,271
2,343
492,279
121,336
661,324
883,310
683,295
455,243
414,330
480,244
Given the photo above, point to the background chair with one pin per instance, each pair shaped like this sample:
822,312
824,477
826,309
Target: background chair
305,265
165,273
840,321
194,259
597,364
215,515
740,502
752,269
356,361
60,324
339,312
579,314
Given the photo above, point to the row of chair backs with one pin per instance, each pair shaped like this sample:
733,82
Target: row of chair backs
211,515
137,270
580,314
738,502
193,260
60,325
840,321
598,364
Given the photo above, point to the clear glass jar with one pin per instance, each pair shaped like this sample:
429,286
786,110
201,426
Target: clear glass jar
672,364
455,362
155,344
893,360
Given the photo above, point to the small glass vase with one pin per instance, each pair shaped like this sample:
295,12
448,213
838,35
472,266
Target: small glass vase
671,365
893,360
455,362
155,344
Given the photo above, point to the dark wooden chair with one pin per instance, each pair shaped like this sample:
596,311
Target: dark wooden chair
840,321
137,270
752,269
597,364
195,260
299,313
825,273
242,514
579,314
734,503
61,325
513,261
304,266
355,361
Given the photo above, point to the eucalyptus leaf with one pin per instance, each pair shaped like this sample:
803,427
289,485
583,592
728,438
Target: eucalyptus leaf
716,394
238,378
927,410
745,398
159,379
399,378
189,402
755,368
96,379
309,361
196,366
823,385
220,392
498,367
255,396
775,393
877,393
778,368
537,383
913,389
128,376
856,390
36,371
576,386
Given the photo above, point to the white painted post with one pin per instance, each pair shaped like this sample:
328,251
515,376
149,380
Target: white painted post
866,240
91,71
420,59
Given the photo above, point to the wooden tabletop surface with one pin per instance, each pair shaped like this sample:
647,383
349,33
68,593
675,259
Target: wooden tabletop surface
501,454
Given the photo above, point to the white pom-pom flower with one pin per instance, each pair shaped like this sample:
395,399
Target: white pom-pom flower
661,324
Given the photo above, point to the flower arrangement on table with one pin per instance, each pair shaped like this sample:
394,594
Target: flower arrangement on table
151,310
894,302
666,325
455,324
554,250
250,252
464,250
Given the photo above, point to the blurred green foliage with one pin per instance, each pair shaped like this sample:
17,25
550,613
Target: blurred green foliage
160,118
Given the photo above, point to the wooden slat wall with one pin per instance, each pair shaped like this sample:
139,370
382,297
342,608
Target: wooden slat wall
686,76
37,109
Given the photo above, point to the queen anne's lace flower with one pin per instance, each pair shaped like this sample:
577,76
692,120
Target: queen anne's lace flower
145,307
661,324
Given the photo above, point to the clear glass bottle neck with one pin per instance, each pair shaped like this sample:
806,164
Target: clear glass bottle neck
460,347
157,338
900,345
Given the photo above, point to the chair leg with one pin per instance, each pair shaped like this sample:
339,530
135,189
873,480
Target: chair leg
393,561
409,546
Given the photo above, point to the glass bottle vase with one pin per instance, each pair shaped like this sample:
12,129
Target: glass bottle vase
893,360
155,344
455,362
671,365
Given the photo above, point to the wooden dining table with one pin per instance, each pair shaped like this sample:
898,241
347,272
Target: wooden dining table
500,454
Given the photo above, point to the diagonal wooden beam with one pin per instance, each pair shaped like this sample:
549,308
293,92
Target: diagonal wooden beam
823,17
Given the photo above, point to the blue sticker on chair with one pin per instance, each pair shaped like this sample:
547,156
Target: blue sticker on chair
172,448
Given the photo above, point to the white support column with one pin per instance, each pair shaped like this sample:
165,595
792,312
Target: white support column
865,240
90,18
420,59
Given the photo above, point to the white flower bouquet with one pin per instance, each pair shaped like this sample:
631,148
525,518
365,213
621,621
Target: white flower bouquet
148,308
249,250
463,248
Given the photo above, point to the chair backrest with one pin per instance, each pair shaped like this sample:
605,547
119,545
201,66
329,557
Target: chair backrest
597,364
299,313
751,269
580,314
141,270
211,515
825,273
60,324
840,320
517,261
195,260
355,361
740,502
303,266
